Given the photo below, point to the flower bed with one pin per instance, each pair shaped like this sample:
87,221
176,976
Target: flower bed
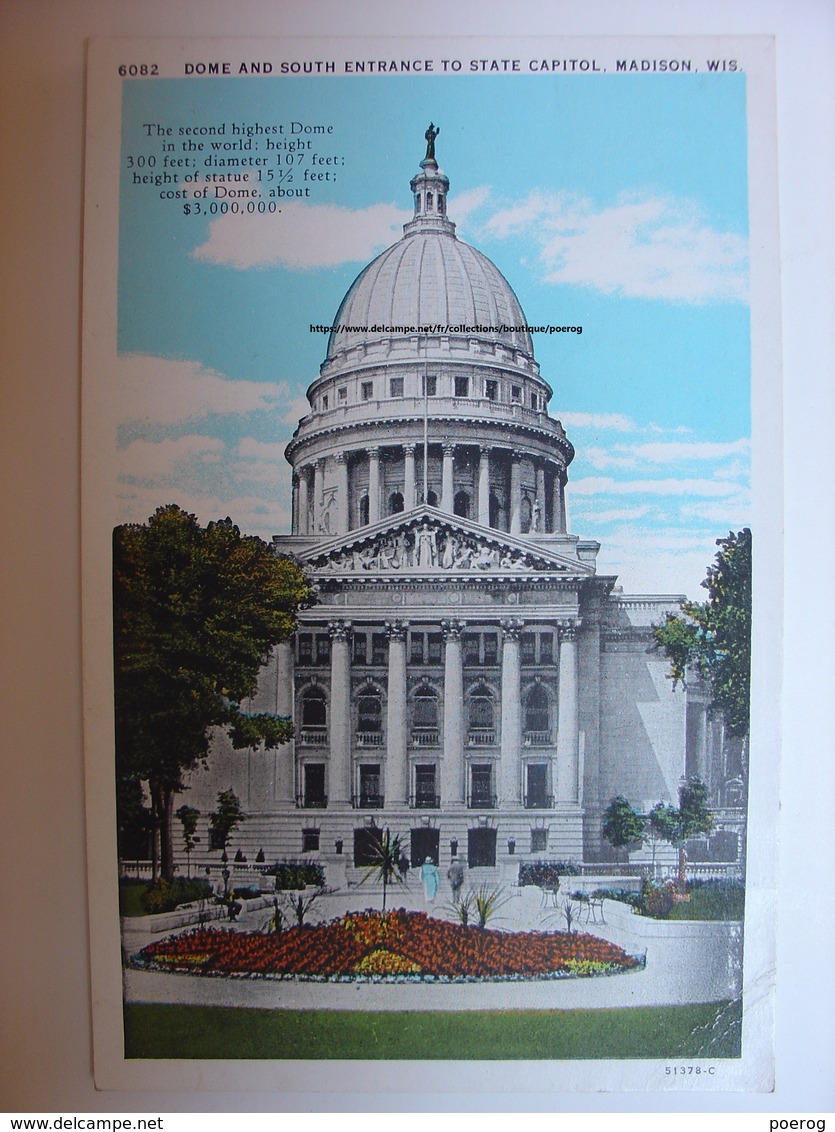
398,945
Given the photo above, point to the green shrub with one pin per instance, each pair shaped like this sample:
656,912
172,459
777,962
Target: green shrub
296,874
165,896
249,892
712,900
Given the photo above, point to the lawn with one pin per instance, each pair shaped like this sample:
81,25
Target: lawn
210,1032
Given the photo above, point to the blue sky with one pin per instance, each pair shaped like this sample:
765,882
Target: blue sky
618,202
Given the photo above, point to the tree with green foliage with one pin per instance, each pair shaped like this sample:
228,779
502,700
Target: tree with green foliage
677,825
622,825
714,637
196,612
225,820
188,816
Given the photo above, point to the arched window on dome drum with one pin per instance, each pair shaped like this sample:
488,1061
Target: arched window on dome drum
369,717
395,503
432,498
428,202
417,202
461,504
526,515
440,204
425,717
363,509
481,717
537,723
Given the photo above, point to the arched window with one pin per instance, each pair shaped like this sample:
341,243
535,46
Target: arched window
526,514
537,721
428,202
314,710
364,512
495,511
480,708
395,503
425,717
369,716
432,499
461,504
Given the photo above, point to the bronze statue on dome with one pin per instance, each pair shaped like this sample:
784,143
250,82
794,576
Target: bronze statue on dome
430,136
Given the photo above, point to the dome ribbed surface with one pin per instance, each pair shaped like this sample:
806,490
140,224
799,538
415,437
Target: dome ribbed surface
430,279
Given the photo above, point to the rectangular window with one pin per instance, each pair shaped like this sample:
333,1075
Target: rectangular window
471,648
534,400
342,393
417,648
360,646
370,785
481,786
425,787
491,390
367,390
310,841
314,786
539,840
323,648
379,648
324,401
528,648
481,848
435,646
516,393
546,648
430,386
396,387
305,648
462,387
491,648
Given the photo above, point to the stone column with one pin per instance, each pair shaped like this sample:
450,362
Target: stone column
510,767
409,496
568,724
397,764
294,523
374,513
563,504
339,771
452,766
343,505
557,525
318,481
447,502
304,502
484,486
515,493
540,499
285,779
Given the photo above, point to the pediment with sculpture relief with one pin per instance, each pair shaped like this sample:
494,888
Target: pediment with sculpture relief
426,541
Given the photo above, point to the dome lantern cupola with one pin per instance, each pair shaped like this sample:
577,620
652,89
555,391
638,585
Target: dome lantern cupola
430,188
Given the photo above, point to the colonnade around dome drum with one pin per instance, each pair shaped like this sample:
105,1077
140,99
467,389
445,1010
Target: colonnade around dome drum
502,488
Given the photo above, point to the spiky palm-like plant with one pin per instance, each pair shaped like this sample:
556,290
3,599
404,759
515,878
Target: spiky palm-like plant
487,902
386,851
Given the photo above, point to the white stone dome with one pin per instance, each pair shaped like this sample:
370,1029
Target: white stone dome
430,279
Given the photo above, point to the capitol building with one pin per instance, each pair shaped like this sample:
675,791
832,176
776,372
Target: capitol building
467,678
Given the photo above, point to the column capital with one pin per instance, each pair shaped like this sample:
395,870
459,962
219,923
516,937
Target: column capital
340,457
449,449
408,449
485,449
373,451
511,628
396,630
517,455
339,630
569,628
452,630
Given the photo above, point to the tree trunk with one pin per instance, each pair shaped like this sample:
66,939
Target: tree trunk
682,869
163,800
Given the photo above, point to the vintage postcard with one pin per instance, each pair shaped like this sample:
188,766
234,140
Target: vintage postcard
431,396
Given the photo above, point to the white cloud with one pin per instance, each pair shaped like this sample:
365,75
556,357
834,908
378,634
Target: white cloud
169,392
303,235
673,453
615,421
642,246
468,202
158,462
